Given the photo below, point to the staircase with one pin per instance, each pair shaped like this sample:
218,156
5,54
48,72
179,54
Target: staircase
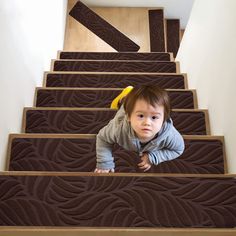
49,187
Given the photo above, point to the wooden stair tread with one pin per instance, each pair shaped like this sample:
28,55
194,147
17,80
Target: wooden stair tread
73,153
78,120
62,97
118,201
102,28
88,231
112,80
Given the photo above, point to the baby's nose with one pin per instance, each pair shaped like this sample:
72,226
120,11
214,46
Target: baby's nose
147,121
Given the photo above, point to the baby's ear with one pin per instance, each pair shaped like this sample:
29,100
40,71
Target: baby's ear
127,117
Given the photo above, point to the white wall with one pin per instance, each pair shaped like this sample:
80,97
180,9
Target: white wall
179,9
207,54
31,33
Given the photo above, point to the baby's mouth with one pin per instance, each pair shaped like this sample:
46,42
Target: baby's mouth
146,130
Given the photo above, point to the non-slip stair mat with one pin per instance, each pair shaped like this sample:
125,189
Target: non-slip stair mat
91,121
118,201
156,30
173,35
115,66
100,98
114,80
79,155
115,56
102,28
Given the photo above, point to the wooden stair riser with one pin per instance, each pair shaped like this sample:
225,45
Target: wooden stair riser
180,99
75,121
74,154
118,201
158,56
114,80
115,66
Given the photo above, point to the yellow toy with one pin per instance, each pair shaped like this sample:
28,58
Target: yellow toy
125,92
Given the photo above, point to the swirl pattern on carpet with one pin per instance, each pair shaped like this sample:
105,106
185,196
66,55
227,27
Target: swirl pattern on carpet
117,201
67,154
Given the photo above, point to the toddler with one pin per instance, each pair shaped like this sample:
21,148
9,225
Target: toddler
142,124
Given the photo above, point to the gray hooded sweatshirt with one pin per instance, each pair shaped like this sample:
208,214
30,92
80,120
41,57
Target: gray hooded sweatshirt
167,145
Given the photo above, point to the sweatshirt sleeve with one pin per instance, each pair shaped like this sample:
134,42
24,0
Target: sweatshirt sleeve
105,140
104,143
172,147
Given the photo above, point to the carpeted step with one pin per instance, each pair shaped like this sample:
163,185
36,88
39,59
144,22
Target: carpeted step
113,80
173,35
157,30
140,56
116,66
102,28
60,97
117,200
91,120
76,153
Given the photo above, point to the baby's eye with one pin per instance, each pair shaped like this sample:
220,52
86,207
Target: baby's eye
155,117
140,116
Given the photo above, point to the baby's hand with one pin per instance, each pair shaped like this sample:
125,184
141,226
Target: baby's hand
103,171
145,164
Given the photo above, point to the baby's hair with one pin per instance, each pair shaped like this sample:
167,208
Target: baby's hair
152,94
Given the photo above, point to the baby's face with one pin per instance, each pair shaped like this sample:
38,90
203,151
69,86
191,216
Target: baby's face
146,120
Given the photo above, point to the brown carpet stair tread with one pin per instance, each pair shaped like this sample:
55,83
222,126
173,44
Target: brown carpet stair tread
113,80
72,97
118,201
173,35
157,30
82,120
115,66
76,153
156,56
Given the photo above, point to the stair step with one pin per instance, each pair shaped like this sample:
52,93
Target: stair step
157,30
91,120
77,153
105,231
112,80
115,66
154,56
102,28
70,97
118,200
173,35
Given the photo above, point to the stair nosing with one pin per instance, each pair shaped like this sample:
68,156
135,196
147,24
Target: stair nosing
95,88
75,51
111,73
80,135
129,61
90,231
63,173
102,108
